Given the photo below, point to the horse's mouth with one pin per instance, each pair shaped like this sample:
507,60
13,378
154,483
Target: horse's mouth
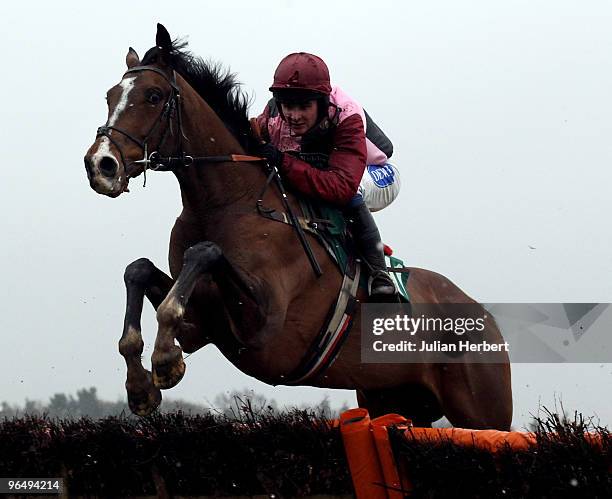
113,194
107,187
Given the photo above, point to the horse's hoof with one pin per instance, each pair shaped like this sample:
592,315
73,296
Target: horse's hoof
144,402
167,374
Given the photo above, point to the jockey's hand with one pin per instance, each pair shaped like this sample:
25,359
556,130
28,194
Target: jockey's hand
273,156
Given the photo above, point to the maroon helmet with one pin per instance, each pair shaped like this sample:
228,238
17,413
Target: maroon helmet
301,73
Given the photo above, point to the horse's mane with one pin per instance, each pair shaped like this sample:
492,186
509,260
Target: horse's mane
215,84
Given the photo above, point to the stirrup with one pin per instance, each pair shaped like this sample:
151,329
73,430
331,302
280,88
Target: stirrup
386,288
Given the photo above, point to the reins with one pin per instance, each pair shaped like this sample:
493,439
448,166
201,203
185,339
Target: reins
160,164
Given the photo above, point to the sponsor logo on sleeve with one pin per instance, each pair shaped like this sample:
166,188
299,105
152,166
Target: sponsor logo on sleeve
382,175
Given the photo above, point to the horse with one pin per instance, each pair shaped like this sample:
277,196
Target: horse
242,281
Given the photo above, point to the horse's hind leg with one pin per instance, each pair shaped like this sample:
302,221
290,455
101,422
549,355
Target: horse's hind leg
478,396
141,278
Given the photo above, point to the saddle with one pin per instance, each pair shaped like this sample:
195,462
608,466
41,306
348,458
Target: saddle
329,226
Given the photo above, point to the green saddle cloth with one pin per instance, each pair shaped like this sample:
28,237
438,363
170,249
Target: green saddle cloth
331,229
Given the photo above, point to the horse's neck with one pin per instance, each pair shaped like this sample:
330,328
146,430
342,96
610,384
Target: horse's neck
209,190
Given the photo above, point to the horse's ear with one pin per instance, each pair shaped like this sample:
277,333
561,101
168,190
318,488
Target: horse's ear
163,41
132,59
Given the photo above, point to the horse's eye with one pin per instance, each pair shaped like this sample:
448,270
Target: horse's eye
154,97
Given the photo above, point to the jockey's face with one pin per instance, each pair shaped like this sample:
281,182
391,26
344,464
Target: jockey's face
301,116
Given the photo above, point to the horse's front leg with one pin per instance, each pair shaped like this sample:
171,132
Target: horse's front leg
243,301
142,279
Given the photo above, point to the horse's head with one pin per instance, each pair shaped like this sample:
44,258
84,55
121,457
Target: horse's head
141,110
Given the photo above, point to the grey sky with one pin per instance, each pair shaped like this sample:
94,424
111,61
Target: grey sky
500,117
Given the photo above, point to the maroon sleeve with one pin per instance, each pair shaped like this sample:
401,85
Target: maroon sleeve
262,122
339,183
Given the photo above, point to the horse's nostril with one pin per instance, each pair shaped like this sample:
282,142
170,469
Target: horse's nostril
108,166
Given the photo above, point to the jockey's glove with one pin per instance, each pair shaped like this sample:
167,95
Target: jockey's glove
273,156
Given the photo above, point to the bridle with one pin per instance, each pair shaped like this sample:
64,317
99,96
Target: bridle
170,110
154,161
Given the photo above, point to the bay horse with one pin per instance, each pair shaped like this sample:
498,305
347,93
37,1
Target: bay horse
242,281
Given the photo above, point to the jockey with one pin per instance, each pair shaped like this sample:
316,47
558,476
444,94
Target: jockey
315,136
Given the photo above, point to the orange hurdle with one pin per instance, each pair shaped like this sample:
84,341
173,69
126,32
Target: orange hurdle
370,457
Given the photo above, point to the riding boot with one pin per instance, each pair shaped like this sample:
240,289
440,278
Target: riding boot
370,246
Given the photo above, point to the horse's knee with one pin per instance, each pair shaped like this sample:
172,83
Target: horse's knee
138,272
131,344
170,312
205,253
